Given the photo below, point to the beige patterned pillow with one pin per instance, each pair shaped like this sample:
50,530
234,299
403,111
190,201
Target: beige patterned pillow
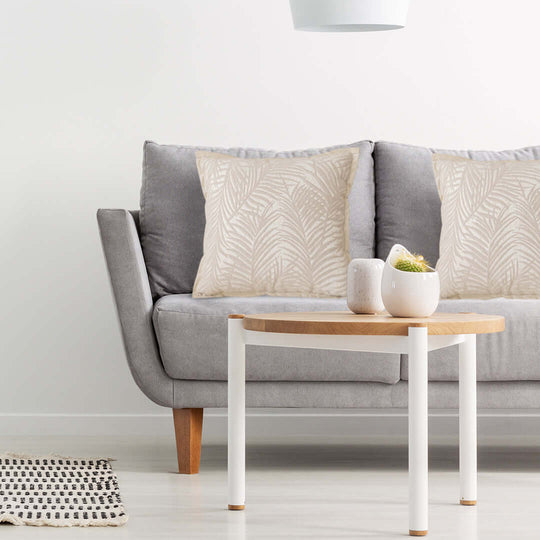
490,238
276,226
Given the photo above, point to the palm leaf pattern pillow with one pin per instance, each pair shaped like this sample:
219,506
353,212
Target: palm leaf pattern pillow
490,237
275,226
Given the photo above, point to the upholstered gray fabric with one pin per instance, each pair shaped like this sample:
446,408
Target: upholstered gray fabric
489,395
341,395
172,210
192,333
286,394
512,355
132,295
192,336
408,207
134,305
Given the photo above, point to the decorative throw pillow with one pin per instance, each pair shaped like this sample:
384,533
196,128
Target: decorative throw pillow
490,237
276,226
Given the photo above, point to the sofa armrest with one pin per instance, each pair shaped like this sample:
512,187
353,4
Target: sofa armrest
134,304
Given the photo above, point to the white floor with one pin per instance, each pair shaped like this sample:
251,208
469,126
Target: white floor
333,491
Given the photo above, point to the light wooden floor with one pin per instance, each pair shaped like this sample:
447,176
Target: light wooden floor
301,492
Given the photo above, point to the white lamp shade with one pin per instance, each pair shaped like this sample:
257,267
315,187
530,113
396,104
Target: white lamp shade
349,15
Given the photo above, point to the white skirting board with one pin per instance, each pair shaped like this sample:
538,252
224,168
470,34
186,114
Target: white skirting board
290,426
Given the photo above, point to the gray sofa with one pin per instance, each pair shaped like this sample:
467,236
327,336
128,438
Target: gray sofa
176,345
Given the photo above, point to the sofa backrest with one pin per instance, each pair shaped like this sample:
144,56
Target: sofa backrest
172,217
408,208
394,199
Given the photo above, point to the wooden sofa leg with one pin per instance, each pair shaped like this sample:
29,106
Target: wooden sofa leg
188,431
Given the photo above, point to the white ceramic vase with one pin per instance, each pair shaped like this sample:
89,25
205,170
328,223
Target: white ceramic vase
364,286
409,294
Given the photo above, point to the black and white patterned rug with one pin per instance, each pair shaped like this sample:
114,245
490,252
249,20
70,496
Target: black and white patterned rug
59,491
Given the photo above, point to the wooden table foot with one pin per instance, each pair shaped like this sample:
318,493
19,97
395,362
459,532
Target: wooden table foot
417,533
467,503
237,506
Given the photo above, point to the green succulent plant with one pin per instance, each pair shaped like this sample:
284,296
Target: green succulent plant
412,263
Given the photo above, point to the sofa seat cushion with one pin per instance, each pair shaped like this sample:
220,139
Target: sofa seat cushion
512,355
192,337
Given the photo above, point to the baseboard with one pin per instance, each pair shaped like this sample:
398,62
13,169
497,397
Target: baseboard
289,426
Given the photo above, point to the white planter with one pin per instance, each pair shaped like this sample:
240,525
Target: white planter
409,294
364,286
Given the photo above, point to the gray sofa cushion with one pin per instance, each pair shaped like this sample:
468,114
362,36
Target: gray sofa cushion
512,355
407,201
192,337
172,210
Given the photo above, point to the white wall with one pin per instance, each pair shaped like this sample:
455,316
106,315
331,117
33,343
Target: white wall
84,83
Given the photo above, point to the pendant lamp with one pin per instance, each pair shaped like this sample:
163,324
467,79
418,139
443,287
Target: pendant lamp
349,15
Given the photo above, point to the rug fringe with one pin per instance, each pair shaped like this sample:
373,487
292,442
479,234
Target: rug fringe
15,455
110,522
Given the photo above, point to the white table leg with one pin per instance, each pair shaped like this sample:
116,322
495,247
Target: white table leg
418,431
467,420
236,467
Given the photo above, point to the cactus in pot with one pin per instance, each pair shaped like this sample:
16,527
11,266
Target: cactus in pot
409,262
410,287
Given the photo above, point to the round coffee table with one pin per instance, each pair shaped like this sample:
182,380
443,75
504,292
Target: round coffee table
346,331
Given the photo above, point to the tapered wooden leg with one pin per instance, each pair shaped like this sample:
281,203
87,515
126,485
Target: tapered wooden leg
188,430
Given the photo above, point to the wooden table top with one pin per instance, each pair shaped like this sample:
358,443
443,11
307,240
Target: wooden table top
347,323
